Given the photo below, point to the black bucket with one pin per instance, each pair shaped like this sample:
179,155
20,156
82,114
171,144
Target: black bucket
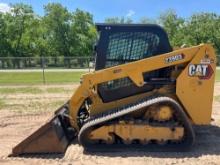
52,137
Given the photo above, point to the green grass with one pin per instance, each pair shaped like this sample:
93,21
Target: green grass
23,78
29,78
2,103
217,76
217,98
31,90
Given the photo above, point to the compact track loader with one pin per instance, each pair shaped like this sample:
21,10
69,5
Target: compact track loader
142,95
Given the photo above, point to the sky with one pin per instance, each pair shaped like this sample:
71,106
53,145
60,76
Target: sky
134,9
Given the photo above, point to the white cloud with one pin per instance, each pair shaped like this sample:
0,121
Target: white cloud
130,13
4,8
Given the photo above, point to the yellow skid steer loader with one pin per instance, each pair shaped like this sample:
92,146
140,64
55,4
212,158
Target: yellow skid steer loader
142,95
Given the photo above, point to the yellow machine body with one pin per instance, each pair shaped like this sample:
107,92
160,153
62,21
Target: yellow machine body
194,92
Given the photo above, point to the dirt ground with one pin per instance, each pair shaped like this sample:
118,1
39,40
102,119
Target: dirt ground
22,113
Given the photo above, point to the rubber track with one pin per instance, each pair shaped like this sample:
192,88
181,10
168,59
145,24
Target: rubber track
101,119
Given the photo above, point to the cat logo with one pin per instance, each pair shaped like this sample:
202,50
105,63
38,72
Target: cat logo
203,71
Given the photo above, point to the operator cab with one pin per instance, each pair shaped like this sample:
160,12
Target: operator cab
124,43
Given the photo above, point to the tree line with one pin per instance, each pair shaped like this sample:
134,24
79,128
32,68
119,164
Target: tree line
60,32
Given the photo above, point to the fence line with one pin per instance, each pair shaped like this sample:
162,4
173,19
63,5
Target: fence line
59,62
46,62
